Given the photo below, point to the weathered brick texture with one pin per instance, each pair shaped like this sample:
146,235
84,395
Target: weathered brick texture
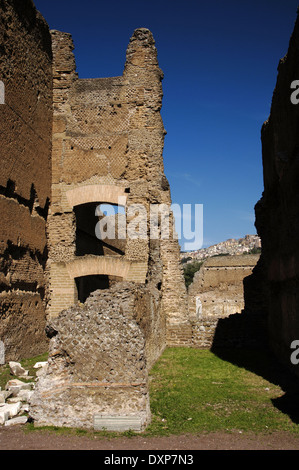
25,176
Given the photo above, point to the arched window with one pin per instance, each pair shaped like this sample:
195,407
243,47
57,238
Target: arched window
100,229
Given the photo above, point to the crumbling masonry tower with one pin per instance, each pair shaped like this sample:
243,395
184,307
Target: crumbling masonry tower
108,139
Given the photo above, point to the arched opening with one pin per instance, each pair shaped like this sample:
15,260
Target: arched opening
87,284
100,229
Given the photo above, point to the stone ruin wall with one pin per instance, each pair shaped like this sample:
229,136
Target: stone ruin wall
108,139
25,174
277,212
68,145
100,379
217,292
107,142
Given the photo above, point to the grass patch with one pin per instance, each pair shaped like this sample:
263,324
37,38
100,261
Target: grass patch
198,391
28,364
77,432
194,391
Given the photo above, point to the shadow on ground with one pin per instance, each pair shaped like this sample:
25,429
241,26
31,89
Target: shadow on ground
242,339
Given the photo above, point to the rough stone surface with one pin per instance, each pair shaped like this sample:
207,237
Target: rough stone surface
97,362
25,176
16,369
217,292
108,140
277,212
69,145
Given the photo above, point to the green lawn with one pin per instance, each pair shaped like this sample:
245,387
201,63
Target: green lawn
196,391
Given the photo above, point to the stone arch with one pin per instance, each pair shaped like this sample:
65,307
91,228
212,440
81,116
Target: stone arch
95,265
97,193
90,273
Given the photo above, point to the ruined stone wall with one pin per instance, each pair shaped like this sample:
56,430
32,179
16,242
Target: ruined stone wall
277,213
101,377
108,143
25,176
107,147
217,292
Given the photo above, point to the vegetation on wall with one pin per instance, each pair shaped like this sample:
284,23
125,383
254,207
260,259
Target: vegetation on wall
189,270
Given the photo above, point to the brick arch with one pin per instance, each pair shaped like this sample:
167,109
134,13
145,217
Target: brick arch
88,265
93,265
96,193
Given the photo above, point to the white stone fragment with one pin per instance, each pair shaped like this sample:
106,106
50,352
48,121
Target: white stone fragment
11,408
42,370
17,369
25,408
13,400
37,365
16,385
4,415
18,420
4,394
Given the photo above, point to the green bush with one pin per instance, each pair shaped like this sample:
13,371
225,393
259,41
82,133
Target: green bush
189,270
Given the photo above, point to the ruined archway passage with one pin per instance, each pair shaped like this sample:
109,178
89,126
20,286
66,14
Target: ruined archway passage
92,234
87,284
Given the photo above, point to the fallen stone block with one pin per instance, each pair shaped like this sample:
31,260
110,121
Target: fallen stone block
25,408
17,369
13,399
16,385
11,408
18,420
4,395
4,415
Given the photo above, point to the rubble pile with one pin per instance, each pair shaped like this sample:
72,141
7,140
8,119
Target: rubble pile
14,400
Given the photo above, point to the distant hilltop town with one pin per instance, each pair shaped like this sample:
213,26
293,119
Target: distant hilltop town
248,244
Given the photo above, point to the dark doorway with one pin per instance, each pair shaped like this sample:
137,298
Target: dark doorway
88,284
87,241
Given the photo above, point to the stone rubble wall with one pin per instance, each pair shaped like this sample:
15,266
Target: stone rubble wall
97,362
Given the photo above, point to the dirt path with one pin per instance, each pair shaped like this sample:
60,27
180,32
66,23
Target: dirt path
14,438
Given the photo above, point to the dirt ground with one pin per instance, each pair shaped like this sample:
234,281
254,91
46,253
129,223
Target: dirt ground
14,438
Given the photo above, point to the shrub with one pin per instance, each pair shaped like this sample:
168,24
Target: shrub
189,270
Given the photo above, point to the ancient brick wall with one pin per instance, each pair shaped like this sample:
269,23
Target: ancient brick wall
217,292
25,176
107,148
277,213
108,143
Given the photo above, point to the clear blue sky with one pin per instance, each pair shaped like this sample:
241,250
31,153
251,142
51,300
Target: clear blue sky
219,58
